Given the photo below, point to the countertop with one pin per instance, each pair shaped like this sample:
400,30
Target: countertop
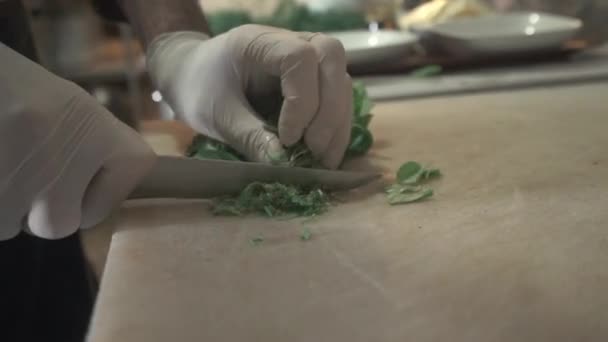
512,247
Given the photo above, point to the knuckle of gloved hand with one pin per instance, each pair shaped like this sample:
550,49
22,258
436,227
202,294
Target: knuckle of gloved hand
302,53
243,36
332,50
252,31
247,28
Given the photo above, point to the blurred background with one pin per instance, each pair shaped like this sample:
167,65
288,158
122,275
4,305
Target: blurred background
105,58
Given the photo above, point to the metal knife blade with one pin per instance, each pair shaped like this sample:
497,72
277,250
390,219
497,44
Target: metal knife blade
181,177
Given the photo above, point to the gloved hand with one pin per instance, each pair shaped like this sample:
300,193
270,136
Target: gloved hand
223,86
65,161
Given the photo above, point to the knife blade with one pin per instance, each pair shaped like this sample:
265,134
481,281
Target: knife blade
181,177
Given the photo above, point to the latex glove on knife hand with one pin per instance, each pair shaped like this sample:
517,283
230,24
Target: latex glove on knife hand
65,161
219,85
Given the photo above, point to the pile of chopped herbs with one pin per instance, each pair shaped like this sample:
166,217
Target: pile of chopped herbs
410,184
290,15
273,200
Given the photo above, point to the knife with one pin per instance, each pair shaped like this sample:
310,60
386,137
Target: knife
181,177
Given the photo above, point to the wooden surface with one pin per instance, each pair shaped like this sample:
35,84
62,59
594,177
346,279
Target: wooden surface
513,247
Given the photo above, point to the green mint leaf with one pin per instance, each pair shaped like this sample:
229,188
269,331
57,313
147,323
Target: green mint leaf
361,140
402,188
408,172
306,235
256,240
407,196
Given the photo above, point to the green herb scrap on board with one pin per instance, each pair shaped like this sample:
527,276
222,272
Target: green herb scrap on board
409,186
254,241
306,235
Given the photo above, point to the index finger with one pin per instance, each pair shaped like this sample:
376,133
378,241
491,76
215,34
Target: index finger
284,55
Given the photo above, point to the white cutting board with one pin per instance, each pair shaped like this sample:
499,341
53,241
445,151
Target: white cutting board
511,248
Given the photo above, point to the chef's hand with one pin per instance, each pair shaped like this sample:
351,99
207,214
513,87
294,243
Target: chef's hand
220,85
65,161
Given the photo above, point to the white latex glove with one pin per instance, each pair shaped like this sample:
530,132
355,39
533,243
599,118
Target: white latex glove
220,85
65,161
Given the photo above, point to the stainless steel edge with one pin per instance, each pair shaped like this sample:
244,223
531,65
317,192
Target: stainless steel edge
180,177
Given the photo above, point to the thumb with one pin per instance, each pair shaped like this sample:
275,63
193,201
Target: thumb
241,128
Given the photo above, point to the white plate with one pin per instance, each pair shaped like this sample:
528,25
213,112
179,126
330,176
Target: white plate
504,33
365,47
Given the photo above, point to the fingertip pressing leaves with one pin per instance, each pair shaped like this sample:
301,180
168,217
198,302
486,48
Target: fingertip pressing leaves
203,147
298,155
277,158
